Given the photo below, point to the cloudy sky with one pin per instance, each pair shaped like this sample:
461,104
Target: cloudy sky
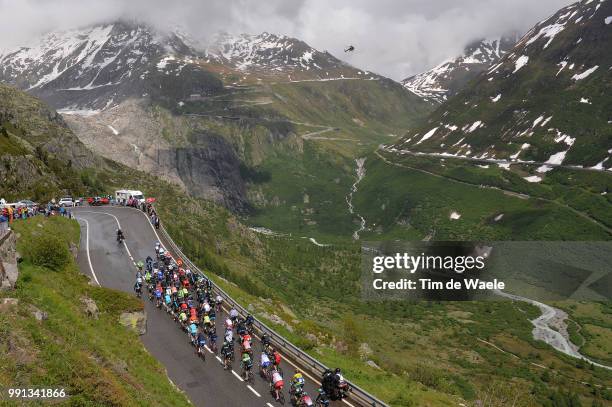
396,38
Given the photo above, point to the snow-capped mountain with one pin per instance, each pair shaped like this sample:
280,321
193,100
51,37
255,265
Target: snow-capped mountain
95,67
546,101
269,53
100,66
450,76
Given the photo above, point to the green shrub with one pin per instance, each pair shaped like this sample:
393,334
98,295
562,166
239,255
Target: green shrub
48,251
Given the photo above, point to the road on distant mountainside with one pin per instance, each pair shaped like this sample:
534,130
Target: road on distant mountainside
206,383
493,160
507,191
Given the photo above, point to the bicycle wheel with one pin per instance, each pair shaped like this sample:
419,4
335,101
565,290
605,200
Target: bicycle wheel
281,397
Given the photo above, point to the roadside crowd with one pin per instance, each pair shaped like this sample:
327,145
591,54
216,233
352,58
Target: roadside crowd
11,213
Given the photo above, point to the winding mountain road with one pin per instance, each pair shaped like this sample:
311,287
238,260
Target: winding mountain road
111,265
506,191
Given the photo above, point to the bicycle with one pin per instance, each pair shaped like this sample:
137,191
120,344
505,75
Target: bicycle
247,374
213,345
227,361
201,353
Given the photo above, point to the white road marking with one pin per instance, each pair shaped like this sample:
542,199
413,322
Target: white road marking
153,228
253,390
119,226
237,376
93,273
227,311
208,349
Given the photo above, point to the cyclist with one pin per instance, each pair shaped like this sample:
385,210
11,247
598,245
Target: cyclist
193,316
182,317
248,322
297,381
227,351
158,296
149,263
229,335
240,327
207,322
247,365
322,399
193,333
168,302
264,364
212,338
303,399
138,288
276,359
276,384
265,341
120,235
201,342
229,325
219,302
246,347
233,315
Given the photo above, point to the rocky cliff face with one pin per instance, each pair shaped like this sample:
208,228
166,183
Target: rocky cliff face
211,169
8,260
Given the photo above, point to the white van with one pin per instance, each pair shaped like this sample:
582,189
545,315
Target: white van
122,195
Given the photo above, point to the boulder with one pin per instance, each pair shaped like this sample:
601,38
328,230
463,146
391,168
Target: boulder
312,338
6,303
275,319
91,309
136,321
371,363
10,273
74,250
38,314
9,301
364,351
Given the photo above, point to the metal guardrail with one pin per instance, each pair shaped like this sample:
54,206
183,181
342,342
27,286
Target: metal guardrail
357,395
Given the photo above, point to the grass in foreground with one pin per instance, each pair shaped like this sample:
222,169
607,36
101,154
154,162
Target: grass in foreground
97,361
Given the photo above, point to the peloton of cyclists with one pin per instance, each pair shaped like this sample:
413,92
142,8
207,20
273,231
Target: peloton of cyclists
189,298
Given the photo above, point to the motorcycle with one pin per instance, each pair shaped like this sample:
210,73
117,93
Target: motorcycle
322,399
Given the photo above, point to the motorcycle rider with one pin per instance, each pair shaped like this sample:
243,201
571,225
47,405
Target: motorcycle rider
120,236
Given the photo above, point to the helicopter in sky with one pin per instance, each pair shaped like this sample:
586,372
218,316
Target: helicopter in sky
350,48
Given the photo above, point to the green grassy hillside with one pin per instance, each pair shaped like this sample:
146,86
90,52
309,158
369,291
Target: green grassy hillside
551,85
40,156
97,361
413,198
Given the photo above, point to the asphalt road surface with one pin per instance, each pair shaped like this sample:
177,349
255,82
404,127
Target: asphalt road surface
110,264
